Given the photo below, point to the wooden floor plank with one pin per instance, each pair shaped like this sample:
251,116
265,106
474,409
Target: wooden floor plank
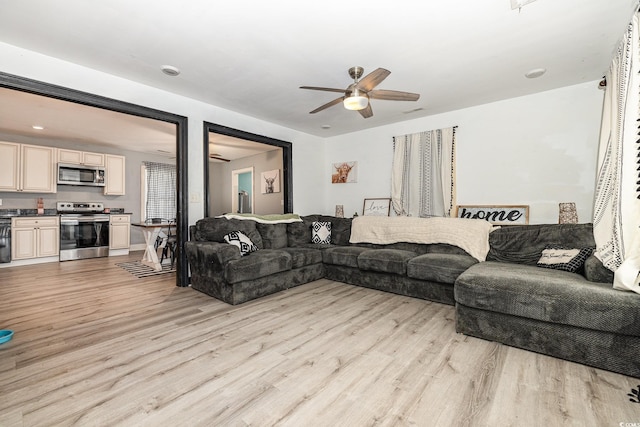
96,346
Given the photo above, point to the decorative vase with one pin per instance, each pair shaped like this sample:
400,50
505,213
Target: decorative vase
568,213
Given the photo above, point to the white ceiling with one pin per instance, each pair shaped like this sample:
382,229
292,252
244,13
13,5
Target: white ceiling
251,56
77,123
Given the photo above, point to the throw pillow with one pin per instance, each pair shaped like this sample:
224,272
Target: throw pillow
566,259
242,241
321,232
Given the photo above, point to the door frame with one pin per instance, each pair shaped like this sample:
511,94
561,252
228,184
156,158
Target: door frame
287,162
36,87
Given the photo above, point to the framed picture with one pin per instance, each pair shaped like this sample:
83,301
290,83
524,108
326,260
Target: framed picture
270,181
344,172
376,207
495,214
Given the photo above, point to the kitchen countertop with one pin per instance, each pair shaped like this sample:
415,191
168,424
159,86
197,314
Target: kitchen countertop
10,213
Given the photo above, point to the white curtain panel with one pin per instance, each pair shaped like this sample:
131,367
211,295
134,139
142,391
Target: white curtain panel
423,173
616,211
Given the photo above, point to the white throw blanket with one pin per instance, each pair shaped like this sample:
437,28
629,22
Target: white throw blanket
472,235
265,219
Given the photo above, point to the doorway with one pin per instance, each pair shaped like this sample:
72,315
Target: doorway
242,200
23,84
285,199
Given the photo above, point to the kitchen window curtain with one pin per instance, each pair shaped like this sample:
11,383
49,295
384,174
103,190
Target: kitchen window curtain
423,173
160,191
616,213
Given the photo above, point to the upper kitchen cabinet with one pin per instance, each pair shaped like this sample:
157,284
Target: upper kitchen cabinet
9,166
27,168
115,175
75,157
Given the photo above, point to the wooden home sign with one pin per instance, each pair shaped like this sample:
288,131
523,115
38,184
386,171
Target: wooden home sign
495,214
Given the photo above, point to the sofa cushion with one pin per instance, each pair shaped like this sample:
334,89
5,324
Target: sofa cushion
523,244
241,241
214,230
595,271
548,295
392,261
299,233
256,265
436,267
303,256
342,255
274,236
340,229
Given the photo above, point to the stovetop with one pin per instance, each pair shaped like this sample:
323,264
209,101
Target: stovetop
79,208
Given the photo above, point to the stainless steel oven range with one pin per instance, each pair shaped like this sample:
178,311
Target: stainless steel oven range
84,230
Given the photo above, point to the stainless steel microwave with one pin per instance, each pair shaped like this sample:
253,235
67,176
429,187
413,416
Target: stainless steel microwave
80,175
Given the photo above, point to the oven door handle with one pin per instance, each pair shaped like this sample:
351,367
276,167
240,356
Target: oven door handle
84,221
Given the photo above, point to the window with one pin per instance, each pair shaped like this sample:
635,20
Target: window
158,191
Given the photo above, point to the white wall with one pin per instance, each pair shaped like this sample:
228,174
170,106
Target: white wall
537,150
307,149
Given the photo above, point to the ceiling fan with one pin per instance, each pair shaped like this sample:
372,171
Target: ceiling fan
357,94
217,156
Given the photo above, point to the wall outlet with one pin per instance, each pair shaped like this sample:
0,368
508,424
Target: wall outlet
194,197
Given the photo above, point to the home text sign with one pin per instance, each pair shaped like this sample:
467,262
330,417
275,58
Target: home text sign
495,214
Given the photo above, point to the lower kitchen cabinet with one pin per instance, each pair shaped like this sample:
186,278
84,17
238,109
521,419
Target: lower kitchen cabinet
35,237
119,231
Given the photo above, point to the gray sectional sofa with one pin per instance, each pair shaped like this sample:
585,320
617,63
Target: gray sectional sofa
507,298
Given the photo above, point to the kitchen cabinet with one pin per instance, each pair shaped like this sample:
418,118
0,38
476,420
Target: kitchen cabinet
35,237
27,168
119,231
115,175
9,166
75,157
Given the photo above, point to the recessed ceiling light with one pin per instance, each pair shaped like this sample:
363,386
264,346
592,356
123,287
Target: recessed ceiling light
170,70
326,126
535,73
37,127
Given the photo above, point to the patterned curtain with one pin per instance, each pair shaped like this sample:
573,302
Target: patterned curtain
616,213
423,173
161,190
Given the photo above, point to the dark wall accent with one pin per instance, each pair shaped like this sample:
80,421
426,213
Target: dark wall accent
11,81
287,161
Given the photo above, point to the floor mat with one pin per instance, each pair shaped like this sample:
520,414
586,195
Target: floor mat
140,270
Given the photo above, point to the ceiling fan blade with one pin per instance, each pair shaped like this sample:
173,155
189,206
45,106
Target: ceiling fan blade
327,105
393,95
219,158
373,79
326,89
367,112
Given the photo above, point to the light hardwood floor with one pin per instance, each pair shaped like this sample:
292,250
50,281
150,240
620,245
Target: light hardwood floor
96,346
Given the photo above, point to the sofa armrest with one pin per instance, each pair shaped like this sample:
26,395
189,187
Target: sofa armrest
595,271
210,258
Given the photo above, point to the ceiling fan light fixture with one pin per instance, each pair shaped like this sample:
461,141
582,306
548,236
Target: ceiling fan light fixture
356,103
356,100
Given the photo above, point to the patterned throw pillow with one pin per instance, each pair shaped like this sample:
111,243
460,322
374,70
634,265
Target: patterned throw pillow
242,241
566,259
321,232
